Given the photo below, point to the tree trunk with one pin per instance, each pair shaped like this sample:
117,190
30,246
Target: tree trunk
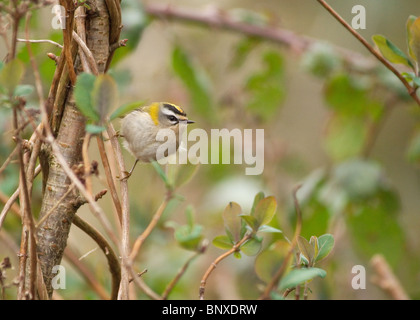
69,125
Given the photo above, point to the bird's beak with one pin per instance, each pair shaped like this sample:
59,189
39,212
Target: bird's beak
190,121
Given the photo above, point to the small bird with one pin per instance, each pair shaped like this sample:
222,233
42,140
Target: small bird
140,127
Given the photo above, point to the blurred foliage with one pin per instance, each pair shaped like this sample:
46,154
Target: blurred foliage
352,192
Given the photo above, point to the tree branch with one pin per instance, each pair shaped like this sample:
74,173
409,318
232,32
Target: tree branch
377,55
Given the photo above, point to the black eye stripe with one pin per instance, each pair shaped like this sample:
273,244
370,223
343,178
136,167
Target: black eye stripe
172,118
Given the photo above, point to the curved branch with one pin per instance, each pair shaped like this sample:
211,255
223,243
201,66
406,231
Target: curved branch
113,262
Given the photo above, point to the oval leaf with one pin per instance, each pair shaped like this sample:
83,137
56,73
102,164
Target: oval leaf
94,129
23,90
257,199
251,247
414,41
233,221
104,94
185,173
82,96
189,237
410,22
125,108
306,249
325,245
250,221
391,52
222,242
270,260
265,210
298,276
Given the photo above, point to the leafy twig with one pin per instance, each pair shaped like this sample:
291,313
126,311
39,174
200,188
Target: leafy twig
280,272
377,55
214,264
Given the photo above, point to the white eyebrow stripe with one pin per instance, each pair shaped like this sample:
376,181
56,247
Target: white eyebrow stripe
169,112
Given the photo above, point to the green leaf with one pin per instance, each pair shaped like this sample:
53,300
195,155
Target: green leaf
258,197
321,59
306,249
82,95
346,94
195,80
190,215
23,90
252,246
250,221
359,179
189,237
184,174
11,75
233,221
126,108
414,39
391,52
269,261
266,88
410,21
313,241
299,276
223,242
94,129
345,137
325,244
243,49
269,229
265,210
161,174
104,95
375,228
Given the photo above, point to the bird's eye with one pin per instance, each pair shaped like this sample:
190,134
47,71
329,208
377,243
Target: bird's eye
172,118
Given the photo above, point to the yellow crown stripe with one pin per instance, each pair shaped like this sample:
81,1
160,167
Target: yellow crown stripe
176,107
154,112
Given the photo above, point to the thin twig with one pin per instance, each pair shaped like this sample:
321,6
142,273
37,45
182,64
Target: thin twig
179,274
142,285
218,19
87,53
12,199
41,41
152,224
386,280
9,159
86,163
109,177
86,273
125,221
113,261
67,37
214,264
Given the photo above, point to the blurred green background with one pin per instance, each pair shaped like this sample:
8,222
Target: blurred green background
367,197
